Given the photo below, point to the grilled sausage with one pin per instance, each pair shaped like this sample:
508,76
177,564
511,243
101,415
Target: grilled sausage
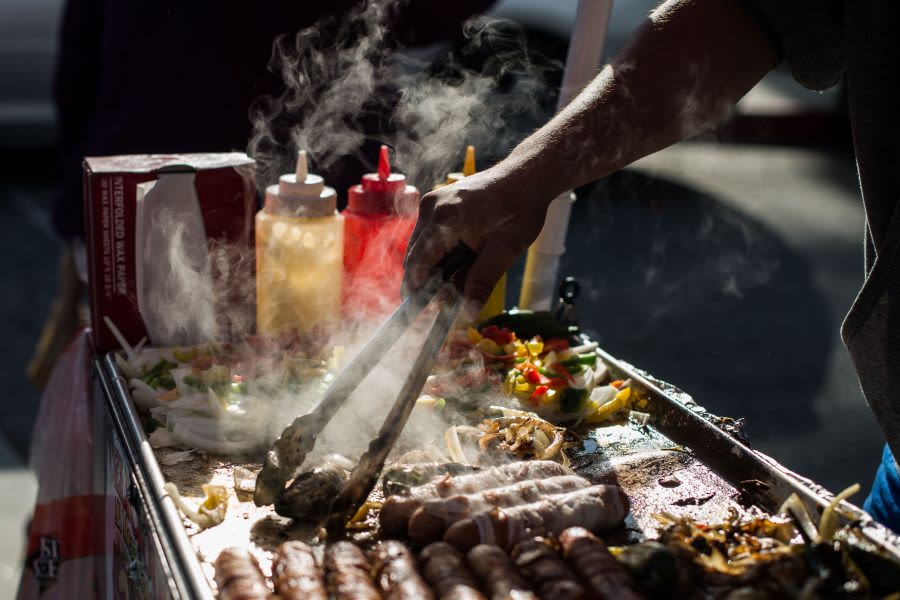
295,574
498,574
596,507
596,566
348,573
238,576
396,510
548,572
396,574
431,519
445,570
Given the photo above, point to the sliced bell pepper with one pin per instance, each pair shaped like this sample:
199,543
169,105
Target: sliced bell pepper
538,392
561,370
531,374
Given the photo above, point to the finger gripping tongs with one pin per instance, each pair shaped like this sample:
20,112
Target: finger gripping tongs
288,453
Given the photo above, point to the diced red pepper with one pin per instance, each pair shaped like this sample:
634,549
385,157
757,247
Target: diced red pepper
203,362
556,345
617,383
557,382
558,368
538,392
497,335
531,375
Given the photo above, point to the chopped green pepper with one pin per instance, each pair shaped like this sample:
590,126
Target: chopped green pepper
166,382
572,400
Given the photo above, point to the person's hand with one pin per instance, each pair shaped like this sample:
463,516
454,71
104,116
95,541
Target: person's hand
494,213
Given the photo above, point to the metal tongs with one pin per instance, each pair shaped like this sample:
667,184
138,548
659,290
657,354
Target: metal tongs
288,453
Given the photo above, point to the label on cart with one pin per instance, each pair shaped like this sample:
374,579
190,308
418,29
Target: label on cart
136,569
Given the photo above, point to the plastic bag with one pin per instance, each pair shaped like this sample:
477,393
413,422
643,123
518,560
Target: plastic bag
67,542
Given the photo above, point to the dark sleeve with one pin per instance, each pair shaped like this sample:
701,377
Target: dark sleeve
75,87
808,34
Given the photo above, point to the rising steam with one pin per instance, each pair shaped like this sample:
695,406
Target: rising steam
338,75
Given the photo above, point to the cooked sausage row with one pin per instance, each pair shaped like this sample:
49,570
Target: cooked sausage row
397,510
598,507
577,565
429,522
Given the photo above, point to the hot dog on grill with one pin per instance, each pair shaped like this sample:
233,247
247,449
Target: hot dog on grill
396,574
446,571
596,566
596,507
295,574
430,520
396,511
238,576
498,574
548,572
348,573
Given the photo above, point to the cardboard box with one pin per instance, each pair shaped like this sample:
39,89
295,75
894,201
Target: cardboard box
170,246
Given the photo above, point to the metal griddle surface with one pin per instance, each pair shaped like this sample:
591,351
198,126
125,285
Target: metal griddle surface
681,463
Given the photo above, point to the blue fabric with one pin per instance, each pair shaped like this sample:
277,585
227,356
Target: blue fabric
883,502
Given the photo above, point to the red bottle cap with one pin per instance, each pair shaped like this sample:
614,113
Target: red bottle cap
382,192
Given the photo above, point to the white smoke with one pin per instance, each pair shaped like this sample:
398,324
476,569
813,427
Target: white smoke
335,80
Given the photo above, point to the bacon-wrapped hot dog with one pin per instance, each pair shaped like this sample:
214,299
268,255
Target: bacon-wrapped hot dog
548,572
498,574
596,566
431,519
395,572
348,573
238,576
445,569
396,511
597,507
295,574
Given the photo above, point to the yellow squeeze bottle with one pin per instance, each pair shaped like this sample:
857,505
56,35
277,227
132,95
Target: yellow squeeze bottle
299,254
496,302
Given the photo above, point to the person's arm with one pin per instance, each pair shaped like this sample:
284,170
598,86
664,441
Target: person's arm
680,73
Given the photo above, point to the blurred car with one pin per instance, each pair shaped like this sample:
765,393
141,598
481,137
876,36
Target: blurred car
28,30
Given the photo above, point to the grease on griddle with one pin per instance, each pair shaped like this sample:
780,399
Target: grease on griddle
748,489
669,482
694,500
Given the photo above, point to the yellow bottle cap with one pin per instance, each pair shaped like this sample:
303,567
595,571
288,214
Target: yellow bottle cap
468,167
469,164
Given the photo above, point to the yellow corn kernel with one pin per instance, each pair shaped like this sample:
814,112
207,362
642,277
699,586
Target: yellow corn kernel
521,350
535,346
606,411
473,335
185,354
549,397
523,387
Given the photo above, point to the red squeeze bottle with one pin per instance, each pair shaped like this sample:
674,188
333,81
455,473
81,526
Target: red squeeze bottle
380,215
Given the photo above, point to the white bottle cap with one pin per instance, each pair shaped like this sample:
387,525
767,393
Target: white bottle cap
301,193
